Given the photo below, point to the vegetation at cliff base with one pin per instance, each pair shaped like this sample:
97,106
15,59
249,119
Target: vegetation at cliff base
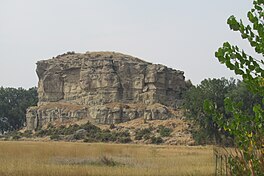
205,130
13,105
246,125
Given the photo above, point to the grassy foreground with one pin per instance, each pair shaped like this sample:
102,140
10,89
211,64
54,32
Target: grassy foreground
83,159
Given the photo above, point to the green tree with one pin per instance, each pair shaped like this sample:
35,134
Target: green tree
242,94
205,130
4,125
247,129
13,105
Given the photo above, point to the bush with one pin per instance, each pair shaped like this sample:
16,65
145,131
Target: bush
16,137
147,136
50,126
89,140
123,134
71,129
77,136
156,140
55,137
90,128
164,131
107,136
142,133
27,134
92,133
41,133
124,140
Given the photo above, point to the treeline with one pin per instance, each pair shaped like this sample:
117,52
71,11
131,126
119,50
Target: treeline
13,105
205,130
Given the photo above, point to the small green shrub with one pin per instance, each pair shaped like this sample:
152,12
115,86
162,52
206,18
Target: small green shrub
124,140
16,137
94,133
89,140
27,134
55,137
147,136
142,132
90,128
50,126
77,136
156,140
41,133
164,131
107,136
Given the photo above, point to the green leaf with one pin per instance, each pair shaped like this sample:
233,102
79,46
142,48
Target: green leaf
244,54
258,49
258,7
260,126
244,35
239,72
227,45
208,106
230,65
233,24
251,67
251,17
238,56
220,53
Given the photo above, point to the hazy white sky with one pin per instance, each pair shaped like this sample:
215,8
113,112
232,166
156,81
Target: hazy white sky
180,34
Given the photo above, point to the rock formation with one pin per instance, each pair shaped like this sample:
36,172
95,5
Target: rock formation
105,87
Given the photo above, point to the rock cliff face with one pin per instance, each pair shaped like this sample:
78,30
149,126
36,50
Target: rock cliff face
105,87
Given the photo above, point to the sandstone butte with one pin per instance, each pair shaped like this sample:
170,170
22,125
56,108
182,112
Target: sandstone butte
105,88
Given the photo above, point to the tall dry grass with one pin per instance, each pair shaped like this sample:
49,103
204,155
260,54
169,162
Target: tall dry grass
82,159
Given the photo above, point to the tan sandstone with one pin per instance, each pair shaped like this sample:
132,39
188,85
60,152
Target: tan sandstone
104,87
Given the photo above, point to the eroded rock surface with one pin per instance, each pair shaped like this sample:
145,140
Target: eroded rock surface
105,87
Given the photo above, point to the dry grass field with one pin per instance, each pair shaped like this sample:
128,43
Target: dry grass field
83,159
